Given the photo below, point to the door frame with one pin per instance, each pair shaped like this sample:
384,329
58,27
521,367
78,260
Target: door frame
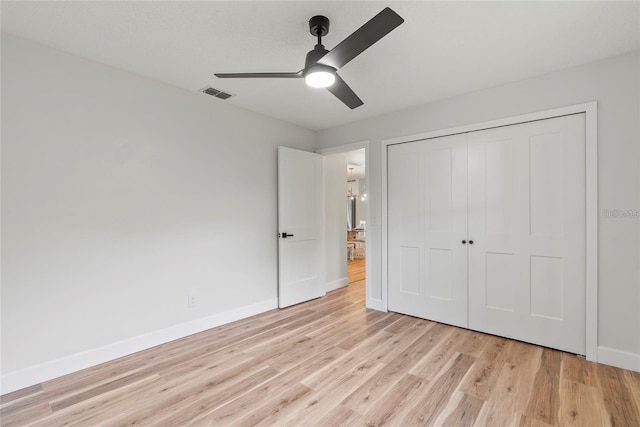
590,110
369,302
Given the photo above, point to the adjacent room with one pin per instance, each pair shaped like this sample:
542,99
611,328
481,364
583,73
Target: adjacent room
320,213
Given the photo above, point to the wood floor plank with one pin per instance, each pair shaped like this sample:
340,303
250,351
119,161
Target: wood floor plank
442,388
19,394
544,402
102,407
331,361
395,369
578,370
633,380
376,325
432,364
179,389
205,401
403,324
349,324
57,405
236,409
473,344
619,402
338,416
526,421
440,391
396,404
327,395
464,413
511,394
484,374
269,413
579,405
22,418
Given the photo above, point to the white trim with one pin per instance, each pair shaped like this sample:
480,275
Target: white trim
53,369
343,149
589,107
619,358
375,304
370,302
383,225
591,229
591,170
336,284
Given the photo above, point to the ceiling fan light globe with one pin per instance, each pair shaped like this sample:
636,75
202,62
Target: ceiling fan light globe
320,78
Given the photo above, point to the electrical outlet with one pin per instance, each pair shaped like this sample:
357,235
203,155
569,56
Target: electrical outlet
191,301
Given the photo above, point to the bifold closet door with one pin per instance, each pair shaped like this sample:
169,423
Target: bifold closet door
427,218
527,221
486,230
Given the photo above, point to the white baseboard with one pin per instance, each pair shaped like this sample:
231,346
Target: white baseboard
619,358
374,304
336,284
55,368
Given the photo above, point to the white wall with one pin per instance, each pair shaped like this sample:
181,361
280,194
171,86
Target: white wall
615,84
121,196
335,220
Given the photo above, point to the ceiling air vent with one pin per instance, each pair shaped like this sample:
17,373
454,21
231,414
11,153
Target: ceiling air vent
217,93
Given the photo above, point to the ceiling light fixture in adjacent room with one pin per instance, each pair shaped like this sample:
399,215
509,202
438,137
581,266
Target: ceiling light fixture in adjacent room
350,192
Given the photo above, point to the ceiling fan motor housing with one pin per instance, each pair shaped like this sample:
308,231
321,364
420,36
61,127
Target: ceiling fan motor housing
314,55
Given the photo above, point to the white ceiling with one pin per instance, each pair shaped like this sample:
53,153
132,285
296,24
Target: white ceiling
443,49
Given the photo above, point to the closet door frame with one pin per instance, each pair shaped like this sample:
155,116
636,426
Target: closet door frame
591,207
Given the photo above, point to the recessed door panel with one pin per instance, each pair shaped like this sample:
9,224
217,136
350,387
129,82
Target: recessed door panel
500,281
547,287
545,195
499,186
439,193
440,274
410,270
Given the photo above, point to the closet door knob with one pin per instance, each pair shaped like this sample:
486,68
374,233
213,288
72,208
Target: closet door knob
464,242
471,242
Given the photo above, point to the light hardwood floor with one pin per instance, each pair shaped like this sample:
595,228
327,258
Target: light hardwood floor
331,362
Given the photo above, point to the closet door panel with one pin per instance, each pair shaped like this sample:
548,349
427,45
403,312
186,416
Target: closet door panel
426,223
406,291
445,198
527,221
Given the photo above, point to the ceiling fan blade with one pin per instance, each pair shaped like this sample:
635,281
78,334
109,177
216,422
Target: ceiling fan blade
259,75
343,92
378,27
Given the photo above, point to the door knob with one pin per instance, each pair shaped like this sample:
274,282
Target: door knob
471,242
285,235
464,242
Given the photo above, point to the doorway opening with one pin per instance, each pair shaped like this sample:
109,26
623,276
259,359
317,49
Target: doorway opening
346,216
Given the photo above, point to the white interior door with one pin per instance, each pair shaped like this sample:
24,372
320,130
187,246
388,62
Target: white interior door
427,218
527,222
299,226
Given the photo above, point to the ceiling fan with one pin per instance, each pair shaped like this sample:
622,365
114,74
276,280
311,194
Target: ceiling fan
321,64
